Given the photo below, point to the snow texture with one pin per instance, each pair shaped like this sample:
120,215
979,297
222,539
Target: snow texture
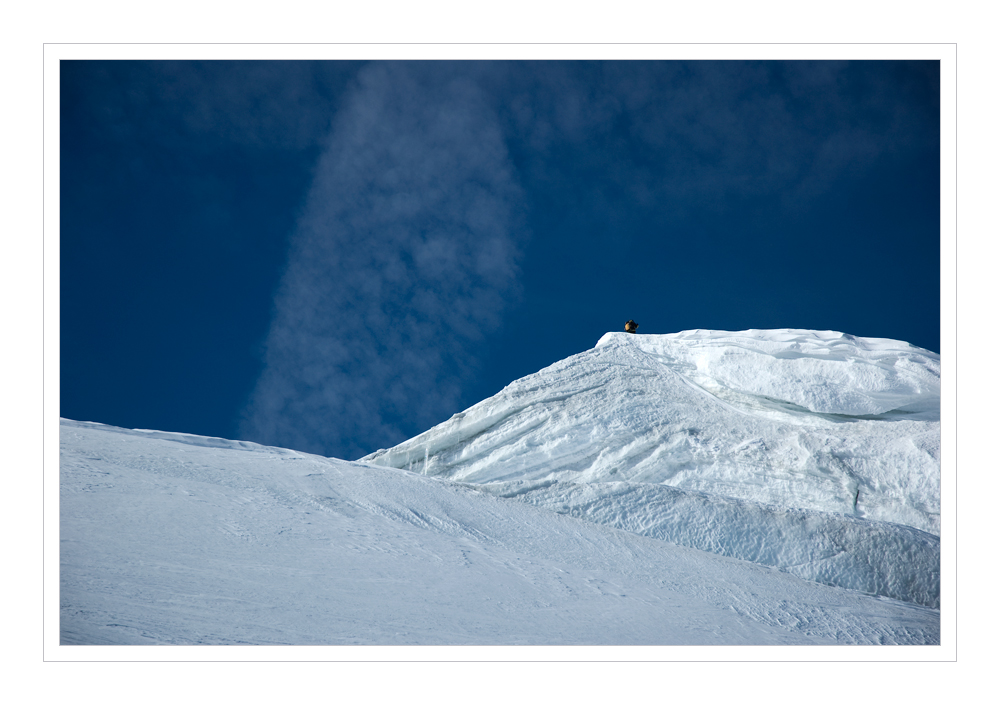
812,451
697,488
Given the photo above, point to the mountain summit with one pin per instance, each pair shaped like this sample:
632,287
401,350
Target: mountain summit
805,450
762,487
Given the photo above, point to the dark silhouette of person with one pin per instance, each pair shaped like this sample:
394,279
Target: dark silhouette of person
631,326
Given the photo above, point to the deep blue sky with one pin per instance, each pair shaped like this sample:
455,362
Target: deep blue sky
334,256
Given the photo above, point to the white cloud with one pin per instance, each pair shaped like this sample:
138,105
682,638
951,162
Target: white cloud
405,256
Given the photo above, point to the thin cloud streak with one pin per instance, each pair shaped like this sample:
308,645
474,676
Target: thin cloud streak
404,259
407,254
696,134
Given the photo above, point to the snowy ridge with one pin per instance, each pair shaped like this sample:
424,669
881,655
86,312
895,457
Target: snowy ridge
830,442
188,438
177,539
818,371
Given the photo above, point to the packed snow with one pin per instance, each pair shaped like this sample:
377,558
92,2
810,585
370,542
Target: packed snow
706,487
812,451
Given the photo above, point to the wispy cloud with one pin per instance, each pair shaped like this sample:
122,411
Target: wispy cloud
406,254
706,133
404,259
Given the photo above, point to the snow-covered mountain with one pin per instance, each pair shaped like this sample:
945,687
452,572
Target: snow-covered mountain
812,451
762,487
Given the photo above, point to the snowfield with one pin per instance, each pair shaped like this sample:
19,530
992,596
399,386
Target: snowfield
811,451
706,487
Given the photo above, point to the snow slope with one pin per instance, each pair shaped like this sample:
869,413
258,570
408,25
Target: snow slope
178,539
815,452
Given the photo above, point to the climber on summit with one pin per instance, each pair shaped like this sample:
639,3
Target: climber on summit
631,326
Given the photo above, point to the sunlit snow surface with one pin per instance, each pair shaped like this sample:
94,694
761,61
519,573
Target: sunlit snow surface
696,488
812,451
